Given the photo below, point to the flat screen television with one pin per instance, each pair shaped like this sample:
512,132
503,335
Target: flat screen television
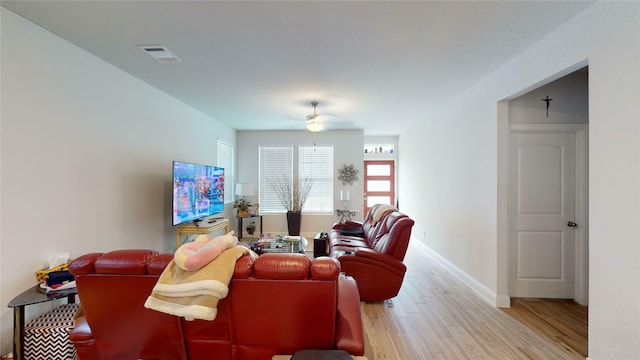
198,191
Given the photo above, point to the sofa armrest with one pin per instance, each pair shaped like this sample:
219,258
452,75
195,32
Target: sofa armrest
348,223
81,330
349,331
82,339
378,276
84,264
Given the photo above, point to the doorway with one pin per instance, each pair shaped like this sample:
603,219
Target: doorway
527,112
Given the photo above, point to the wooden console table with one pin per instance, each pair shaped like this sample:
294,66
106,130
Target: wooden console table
203,227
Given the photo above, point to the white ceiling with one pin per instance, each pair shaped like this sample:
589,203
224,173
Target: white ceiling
257,65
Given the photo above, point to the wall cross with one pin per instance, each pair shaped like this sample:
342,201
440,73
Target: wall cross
547,100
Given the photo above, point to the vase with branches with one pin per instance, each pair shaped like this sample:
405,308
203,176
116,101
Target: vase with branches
293,195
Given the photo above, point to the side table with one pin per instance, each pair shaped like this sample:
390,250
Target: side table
320,244
202,228
241,222
32,296
345,214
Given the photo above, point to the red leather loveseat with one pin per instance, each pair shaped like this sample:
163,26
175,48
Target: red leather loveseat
277,304
374,257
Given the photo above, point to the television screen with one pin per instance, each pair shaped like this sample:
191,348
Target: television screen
198,191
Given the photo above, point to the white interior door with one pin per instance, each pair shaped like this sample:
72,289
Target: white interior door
542,227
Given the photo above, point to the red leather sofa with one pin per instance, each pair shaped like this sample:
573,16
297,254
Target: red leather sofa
375,256
277,304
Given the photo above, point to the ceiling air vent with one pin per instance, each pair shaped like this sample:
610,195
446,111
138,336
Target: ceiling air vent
160,53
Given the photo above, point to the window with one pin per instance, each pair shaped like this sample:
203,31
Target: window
313,162
225,160
378,148
275,162
316,163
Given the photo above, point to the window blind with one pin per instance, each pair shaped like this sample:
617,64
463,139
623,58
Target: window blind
275,164
316,163
225,160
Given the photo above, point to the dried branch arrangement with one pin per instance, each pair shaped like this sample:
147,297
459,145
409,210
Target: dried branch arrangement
294,195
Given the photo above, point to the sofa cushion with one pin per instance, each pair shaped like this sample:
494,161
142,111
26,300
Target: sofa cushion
347,241
282,266
124,262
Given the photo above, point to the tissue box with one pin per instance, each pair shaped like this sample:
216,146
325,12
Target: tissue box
47,336
42,275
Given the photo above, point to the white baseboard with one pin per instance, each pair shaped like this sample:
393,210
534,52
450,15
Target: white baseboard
503,301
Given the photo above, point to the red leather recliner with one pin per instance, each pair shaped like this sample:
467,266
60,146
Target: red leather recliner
374,259
279,304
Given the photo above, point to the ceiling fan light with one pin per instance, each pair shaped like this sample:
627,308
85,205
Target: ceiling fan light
315,123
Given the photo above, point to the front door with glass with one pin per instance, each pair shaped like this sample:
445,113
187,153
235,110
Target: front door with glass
379,183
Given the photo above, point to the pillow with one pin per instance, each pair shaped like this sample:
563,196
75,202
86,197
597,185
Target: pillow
194,255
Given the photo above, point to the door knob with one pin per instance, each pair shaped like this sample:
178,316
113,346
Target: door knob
571,224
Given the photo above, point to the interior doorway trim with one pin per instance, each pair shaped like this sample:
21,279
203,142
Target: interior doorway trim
581,289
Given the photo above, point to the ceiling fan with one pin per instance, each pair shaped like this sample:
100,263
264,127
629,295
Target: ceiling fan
317,121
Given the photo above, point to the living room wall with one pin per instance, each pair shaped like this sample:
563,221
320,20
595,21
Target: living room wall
348,149
86,153
456,189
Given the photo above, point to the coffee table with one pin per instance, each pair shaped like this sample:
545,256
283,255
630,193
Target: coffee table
288,244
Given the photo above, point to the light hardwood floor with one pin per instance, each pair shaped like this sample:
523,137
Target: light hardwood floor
436,316
564,322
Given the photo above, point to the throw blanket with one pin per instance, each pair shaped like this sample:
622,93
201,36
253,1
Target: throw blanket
381,210
195,294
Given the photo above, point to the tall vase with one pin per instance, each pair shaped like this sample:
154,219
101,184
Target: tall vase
293,222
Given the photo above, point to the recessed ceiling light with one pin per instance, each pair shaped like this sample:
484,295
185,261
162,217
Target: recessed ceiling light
160,53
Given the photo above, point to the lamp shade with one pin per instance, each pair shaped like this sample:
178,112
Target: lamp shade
245,190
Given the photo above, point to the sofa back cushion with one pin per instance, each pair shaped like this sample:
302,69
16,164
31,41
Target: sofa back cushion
114,307
394,236
291,292
371,227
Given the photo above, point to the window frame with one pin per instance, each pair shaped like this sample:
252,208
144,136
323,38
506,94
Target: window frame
295,162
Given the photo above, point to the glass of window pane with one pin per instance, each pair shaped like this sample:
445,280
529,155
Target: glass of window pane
378,170
378,185
372,200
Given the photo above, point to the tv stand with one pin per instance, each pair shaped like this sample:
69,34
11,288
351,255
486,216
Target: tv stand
201,227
